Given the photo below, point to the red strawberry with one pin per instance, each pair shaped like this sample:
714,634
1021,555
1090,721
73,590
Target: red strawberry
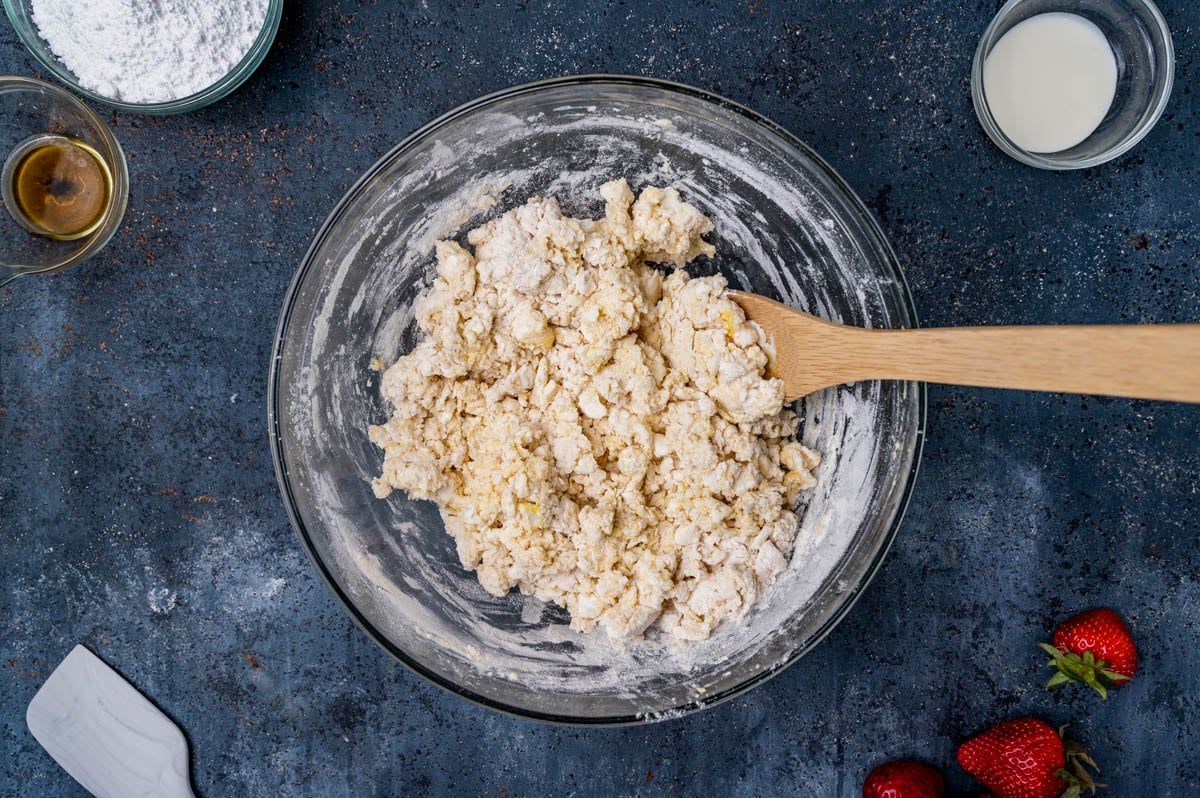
903,779
1095,648
1025,758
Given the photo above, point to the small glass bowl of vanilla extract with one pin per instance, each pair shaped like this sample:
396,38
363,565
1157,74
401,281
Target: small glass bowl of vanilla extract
64,183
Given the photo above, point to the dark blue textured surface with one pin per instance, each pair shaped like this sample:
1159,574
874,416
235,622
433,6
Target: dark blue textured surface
138,508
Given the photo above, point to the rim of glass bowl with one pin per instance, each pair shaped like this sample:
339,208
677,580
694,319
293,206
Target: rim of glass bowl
1047,161
28,34
869,227
120,180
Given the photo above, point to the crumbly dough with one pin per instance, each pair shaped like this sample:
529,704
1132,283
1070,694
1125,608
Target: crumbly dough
594,434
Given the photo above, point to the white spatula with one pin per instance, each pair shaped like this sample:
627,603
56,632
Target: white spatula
106,734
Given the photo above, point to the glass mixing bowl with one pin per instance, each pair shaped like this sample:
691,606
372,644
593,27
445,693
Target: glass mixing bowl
786,226
20,13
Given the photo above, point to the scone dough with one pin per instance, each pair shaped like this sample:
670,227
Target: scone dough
594,434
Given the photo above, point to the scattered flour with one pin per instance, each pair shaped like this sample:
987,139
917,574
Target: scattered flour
162,600
143,51
594,434
269,590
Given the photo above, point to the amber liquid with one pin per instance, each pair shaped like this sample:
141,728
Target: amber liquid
62,188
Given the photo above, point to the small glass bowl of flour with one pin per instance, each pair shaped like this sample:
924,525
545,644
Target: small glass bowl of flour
1069,84
148,56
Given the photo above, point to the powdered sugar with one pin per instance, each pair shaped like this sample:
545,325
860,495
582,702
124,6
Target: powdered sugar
143,51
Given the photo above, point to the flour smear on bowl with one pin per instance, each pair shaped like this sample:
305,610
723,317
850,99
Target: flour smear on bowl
139,52
593,433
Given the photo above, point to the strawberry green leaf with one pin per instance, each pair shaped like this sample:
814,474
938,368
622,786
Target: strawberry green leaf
1086,669
1075,775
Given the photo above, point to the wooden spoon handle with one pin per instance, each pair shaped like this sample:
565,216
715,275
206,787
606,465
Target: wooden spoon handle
1140,361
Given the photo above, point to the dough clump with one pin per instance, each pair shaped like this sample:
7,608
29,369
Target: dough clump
594,433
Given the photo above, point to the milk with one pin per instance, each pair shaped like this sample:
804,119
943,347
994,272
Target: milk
1049,81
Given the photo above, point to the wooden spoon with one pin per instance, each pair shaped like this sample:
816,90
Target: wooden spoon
1151,361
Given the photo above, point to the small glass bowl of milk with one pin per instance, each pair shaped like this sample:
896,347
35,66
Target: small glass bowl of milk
1068,85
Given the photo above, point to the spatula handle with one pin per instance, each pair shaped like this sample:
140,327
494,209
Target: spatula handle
1140,361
